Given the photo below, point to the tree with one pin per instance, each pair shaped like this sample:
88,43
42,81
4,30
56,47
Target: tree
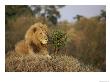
101,16
103,13
12,11
77,17
49,12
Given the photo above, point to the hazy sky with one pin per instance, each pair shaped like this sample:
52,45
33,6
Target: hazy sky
68,12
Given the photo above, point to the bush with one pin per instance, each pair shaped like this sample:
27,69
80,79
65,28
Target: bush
58,40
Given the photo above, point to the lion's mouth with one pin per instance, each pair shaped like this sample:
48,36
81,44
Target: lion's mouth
44,45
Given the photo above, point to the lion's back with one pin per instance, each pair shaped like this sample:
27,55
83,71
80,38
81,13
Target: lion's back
21,47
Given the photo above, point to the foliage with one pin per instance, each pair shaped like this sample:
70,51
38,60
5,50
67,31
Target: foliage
49,12
58,40
14,11
77,17
103,13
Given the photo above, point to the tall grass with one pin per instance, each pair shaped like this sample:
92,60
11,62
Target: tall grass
90,42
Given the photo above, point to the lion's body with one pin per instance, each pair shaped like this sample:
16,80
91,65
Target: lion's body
21,47
35,41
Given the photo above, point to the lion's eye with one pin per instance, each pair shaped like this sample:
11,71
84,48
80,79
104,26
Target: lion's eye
40,33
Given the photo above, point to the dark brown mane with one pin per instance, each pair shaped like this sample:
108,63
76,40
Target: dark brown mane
35,47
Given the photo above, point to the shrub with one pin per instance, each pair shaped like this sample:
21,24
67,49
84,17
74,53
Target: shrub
58,40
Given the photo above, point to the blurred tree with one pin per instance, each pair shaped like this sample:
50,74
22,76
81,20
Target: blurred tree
49,12
12,11
77,17
102,15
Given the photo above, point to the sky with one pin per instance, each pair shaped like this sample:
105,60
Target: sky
70,11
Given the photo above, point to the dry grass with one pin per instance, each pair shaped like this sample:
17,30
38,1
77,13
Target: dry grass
32,63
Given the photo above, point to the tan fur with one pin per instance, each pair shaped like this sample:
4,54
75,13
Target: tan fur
35,41
21,47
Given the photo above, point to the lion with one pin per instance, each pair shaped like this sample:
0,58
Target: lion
35,41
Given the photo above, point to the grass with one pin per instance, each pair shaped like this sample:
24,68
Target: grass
32,63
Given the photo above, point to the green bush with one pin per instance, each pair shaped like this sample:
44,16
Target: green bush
58,40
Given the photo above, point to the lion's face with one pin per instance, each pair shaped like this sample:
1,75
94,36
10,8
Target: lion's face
40,35
43,37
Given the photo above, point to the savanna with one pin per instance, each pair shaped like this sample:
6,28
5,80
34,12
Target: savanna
76,46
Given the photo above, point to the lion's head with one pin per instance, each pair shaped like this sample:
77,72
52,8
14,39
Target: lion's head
38,33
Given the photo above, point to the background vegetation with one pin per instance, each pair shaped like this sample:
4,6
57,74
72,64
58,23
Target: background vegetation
85,48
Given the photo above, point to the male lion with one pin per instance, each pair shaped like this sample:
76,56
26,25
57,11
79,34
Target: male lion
35,41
